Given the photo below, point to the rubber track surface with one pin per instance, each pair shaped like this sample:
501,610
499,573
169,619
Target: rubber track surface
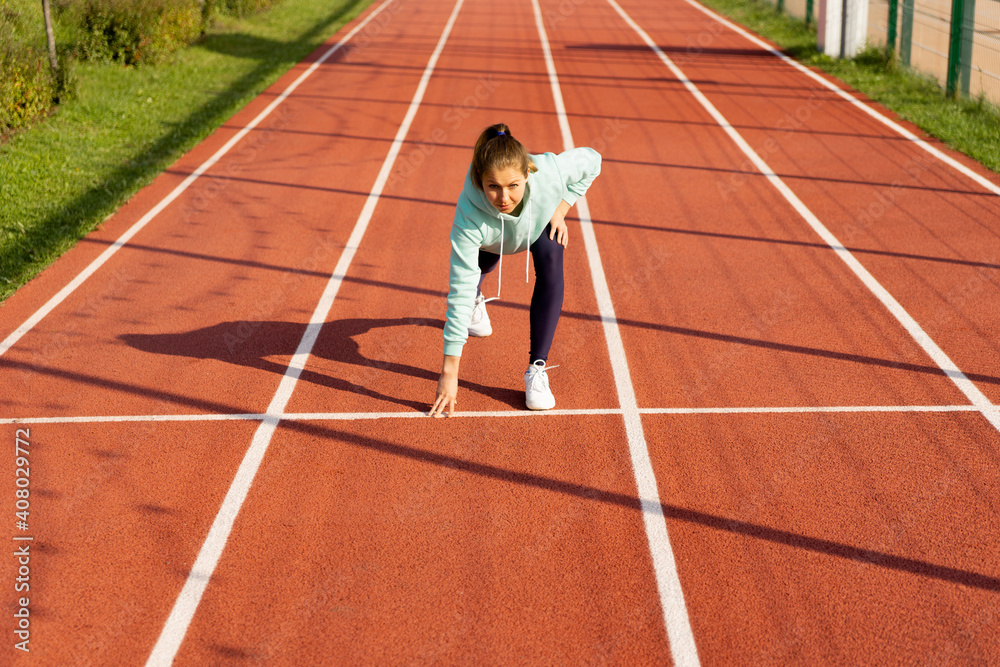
829,492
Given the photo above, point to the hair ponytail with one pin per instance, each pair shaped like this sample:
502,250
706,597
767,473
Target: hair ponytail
496,149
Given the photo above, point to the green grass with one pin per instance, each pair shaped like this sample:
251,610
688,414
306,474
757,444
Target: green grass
61,178
970,126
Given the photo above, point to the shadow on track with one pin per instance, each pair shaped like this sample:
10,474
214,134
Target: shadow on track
686,50
251,343
803,244
508,396
751,530
859,554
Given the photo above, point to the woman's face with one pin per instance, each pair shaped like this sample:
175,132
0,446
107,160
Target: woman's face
504,188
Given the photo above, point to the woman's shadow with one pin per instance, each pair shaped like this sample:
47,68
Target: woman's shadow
251,343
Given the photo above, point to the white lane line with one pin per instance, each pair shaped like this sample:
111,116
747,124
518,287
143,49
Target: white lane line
113,419
966,386
888,122
300,416
678,625
806,410
485,414
92,268
208,557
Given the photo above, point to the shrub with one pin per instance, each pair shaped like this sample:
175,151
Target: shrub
27,84
136,31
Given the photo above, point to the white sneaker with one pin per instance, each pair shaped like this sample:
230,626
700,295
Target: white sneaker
537,395
480,325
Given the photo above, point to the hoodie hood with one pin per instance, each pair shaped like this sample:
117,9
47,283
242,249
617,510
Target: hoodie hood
479,199
499,229
544,190
514,230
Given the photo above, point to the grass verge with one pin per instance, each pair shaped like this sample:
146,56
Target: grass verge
969,126
60,179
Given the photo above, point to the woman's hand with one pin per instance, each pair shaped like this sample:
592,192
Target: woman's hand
560,230
447,389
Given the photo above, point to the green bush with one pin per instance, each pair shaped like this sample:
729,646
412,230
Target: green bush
136,31
27,85
131,32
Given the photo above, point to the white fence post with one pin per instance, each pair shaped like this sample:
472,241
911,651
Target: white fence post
841,27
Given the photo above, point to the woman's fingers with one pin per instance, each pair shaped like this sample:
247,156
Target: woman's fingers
447,392
442,402
560,233
439,410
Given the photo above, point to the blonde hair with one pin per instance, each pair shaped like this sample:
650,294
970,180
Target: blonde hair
497,149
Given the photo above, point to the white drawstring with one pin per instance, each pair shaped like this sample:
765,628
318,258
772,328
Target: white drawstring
499,277
527,240
527,252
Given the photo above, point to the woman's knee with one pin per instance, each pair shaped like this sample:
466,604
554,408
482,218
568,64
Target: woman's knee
549,264
488,261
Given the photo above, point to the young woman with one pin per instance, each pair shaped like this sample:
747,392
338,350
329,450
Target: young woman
511,202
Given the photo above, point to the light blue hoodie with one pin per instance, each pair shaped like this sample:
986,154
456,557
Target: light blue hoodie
479,225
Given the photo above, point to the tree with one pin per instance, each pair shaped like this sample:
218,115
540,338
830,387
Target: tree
50,36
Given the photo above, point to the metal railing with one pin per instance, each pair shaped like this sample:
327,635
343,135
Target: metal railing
955,41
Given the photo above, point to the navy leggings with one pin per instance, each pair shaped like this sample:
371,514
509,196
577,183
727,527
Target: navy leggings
547,298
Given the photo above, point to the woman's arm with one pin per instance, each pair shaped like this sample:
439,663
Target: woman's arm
580,166
447,390
462,278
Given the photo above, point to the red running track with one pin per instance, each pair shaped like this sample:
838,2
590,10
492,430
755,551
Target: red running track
825,492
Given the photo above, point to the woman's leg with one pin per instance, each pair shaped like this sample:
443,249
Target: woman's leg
547,298
487,262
